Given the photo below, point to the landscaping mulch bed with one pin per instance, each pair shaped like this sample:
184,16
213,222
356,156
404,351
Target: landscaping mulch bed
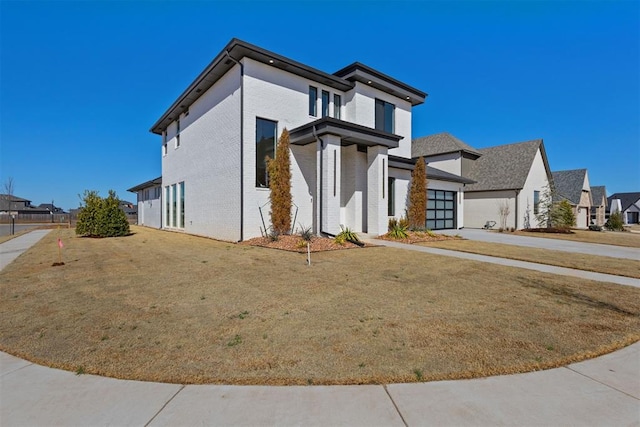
420,236
295,243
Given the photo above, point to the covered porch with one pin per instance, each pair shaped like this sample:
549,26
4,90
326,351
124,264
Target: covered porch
351,175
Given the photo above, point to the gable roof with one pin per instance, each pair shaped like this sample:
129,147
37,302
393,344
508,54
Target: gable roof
237,49
626,199
598,193
505,167
568,185
440,143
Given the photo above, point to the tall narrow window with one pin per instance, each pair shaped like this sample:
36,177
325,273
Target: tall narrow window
181,225
313,101
391,207
337,104
174,205
265,147
325,103
167,205
385,116
178,133
164,143
536,202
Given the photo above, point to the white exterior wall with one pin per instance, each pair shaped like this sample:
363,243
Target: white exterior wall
537,180
483,206
361,109
354,188
403,181
207,160
150,207
451,162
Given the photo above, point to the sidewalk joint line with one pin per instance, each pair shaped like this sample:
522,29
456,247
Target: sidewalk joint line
600,382
165,405
384,386
18,369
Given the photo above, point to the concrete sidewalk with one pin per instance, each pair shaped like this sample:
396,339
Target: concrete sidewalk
549,243
620,280
599,392
12,249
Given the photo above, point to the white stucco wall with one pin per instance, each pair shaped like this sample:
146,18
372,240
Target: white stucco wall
483,206
360,108
537,180
207,160
150,207
450,162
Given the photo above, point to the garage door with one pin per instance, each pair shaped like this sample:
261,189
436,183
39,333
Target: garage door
441,209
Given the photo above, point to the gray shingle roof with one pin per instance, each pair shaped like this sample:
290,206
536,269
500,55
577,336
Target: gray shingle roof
626,199
504,167
568,185
598,193
440,143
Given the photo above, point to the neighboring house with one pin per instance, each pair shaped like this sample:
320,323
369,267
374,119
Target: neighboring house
513,175
573,186
448,160
600,205
350,135
50,207
149,202
10,203
130,209
629,204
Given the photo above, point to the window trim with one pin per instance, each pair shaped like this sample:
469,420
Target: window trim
337,105
326,99
313,101
536,202
275,144
384,105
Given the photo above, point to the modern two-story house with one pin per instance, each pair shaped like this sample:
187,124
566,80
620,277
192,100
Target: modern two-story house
350,135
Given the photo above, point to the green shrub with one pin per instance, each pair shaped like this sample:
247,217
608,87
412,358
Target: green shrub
346,235
306,233
397,230
615,222
563,216
102,217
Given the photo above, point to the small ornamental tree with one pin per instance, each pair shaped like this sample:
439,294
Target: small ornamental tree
280,185
417,211
545,205
563,216
101,217
615,222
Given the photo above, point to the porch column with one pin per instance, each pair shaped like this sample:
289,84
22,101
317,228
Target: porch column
330,184
377,173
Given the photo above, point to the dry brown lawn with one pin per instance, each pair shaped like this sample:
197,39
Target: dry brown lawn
616,238
170,307
600,264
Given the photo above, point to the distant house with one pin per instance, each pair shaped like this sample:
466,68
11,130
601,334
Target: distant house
50,207
630,205
600,205
573,186
10,203
130,209
149,202
514,175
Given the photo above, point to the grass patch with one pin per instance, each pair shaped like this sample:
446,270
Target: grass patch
599,264
616,238
375,315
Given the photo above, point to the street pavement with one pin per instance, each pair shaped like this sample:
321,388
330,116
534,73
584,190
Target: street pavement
598,392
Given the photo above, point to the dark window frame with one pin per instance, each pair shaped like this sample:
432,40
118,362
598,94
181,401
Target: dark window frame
337,105
313,101
325,103
262,179
385,116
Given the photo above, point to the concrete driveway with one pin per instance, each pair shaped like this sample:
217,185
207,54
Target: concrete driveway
546,243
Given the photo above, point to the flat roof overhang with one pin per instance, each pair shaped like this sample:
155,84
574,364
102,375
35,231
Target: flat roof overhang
147,184
349,133
223,62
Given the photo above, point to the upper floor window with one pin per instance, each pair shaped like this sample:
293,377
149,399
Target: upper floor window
337,104
385,113
178,133
325,103
265,147
536,202
313,101
164,143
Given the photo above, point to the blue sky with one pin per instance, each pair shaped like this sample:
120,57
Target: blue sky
82,82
